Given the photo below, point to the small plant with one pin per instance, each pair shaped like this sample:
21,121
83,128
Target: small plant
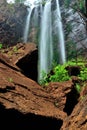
78,88
15,49
60,74
10,79
83,74
1,45
44,80
73,62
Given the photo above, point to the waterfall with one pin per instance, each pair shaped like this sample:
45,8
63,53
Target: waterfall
35,20
60,34
27,25
42,16
45,46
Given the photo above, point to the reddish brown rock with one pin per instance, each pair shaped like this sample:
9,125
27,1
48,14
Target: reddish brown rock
64,94
28,105
25,56
78,119
83,91
19,51
15,84
24,102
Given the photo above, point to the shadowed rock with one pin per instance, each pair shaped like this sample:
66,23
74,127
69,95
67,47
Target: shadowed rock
26,104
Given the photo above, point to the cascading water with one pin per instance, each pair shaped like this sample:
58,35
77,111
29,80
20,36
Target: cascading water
27,27
45,47
46,50
60,34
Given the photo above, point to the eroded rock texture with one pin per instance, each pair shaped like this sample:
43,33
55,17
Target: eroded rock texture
24,102
28,105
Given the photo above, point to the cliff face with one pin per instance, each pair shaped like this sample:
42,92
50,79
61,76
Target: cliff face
12,19
74,29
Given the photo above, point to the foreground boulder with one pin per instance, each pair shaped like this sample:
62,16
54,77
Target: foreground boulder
24,103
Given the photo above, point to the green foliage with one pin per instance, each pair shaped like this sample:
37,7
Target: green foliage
19,1
83,74
67,2
1,45
71,49
68,28
15,49
60,74
43,2
78,88
81,5
78,4
44,80
83,71
75,62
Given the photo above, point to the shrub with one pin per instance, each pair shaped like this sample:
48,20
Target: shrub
60,74
83,74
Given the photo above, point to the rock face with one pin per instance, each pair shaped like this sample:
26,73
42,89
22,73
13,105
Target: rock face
25,56
75,32
78,118
12,19
64,95
23,101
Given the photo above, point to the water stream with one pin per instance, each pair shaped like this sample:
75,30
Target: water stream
45,45
60,34
27,25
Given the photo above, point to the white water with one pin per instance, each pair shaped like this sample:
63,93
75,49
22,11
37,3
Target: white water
27,25
45,47
46,42
61,34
